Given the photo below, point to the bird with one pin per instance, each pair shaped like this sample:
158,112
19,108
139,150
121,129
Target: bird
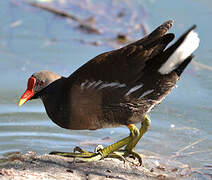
115,88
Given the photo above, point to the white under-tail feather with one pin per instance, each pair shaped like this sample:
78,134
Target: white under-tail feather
189,45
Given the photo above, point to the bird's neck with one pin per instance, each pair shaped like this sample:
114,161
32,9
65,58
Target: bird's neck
56,102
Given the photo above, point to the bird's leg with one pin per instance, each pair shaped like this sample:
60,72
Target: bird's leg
111,150
129,149
144,128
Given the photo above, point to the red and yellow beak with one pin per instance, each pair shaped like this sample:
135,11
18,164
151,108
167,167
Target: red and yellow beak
25,97
29,92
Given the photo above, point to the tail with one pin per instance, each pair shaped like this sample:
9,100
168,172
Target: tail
178,56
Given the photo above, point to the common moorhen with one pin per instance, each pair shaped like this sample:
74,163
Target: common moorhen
115,88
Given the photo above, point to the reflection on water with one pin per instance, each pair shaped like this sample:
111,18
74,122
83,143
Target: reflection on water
181,125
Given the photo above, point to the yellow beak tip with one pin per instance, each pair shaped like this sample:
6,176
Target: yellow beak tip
21,102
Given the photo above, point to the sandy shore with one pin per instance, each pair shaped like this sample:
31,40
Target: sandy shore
17,166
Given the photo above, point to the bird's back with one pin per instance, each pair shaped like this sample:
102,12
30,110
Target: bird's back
121,86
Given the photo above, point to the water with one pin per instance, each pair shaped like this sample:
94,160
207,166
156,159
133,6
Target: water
32,40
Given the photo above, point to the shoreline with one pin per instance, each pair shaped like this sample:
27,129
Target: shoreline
19,166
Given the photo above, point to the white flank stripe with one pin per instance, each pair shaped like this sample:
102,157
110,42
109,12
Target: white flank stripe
90,84
94,84
83,84
113,84
189,45
150,108
146,93
133,89
122,85
97,83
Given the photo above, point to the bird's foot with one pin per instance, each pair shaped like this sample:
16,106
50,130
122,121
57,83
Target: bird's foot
114,154
131,154
81,155
135,155
78,154
121,154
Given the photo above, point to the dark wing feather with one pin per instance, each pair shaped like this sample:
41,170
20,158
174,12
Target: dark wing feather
99,87
125,65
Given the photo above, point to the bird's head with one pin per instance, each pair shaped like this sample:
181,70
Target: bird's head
36,83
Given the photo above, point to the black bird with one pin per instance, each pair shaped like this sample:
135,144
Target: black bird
115,88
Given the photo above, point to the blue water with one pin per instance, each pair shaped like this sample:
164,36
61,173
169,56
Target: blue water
32,40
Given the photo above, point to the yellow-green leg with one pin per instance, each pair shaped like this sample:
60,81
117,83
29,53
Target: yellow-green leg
144,128
114,149
130,148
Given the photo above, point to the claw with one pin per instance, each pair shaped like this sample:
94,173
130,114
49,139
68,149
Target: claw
137,156
118,156
131,154
80,150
